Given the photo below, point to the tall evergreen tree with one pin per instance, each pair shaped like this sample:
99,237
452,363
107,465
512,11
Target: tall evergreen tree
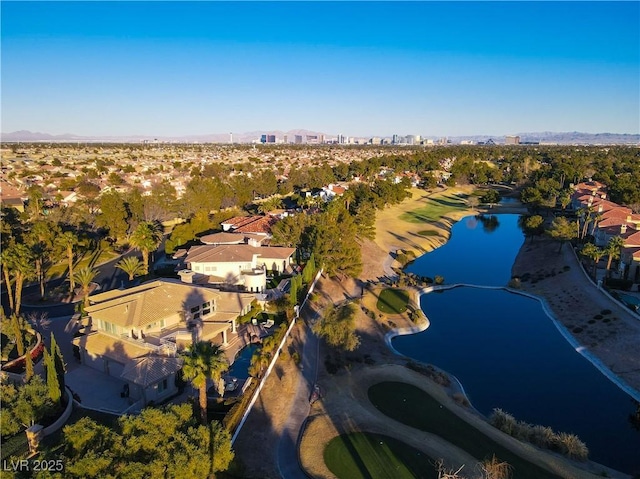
53,386
28,367
309,270
58,361
293,292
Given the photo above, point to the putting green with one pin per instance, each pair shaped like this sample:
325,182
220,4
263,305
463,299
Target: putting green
393,301
414,407
374,456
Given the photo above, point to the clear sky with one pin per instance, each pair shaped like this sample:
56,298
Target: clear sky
357,68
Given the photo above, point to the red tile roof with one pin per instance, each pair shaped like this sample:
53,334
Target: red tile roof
251,224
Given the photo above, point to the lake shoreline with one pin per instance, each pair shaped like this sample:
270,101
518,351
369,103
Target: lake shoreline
575,302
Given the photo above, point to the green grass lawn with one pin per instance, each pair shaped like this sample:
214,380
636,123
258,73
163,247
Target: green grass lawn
89,259
414,407
393,301
372,456
436,208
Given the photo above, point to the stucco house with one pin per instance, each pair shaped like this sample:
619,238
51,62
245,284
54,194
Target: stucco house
240,265
135,334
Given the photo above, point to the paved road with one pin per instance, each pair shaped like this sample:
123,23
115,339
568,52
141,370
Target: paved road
287,452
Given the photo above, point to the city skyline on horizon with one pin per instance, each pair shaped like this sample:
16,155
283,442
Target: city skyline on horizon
369,68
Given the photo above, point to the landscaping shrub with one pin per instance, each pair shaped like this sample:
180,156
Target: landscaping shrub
567,444
542,436
232,418
571,446
618,283
438,279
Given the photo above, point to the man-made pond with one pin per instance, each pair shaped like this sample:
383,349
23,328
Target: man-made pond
481,250
507,352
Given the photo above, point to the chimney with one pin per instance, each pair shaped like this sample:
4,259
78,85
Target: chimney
590,202
600,208
623,228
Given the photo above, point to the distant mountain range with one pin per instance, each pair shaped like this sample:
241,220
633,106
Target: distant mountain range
562,138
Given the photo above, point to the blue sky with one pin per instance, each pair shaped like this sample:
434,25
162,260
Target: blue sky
357,68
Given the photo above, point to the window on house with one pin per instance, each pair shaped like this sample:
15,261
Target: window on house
195,309
109,328
162,385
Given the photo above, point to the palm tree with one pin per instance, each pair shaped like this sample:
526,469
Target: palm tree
594,253
270,205
585,214
613,248
146,238
348,197
84,277
596,219
17,264
131,265
203,361
67,241
259,362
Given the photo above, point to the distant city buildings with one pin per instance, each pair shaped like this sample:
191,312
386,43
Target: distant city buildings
308,138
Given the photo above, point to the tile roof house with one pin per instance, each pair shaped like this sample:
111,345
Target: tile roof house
12,196
608,220
134,334
242,265
259,225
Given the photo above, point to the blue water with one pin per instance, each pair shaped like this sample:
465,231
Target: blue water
632,300
508,354
240,367
475,253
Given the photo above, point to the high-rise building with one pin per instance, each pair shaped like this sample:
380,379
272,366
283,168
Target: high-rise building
285,139
263,139
511,140
312,139
298,140
271,138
